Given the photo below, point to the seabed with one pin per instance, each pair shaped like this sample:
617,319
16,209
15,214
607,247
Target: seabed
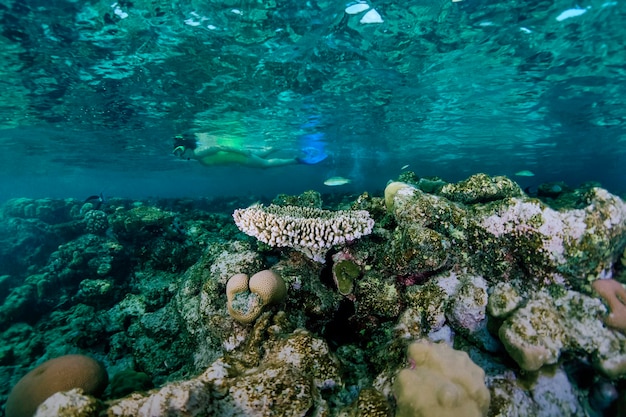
468,299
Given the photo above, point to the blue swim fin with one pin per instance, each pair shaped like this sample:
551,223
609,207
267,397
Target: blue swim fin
312,156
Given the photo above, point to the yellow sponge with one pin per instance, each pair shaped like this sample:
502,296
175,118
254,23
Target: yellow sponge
442,382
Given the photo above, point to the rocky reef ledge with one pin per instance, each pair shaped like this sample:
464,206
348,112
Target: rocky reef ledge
492,301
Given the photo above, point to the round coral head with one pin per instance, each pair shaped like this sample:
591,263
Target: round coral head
56,375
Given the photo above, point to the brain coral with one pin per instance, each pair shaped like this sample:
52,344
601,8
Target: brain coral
247,297
58,374
309,230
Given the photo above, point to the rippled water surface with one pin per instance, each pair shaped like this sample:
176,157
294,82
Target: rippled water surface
93,91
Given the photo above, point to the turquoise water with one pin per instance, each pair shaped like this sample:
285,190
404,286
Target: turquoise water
117,243
93,91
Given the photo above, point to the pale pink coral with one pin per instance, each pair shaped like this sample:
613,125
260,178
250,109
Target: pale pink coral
614,294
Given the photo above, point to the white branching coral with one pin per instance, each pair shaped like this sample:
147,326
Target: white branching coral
308,230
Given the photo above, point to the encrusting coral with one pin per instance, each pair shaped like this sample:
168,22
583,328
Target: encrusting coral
441,382
614,294
508,237
248,297
546,324
308,230
287,380
481,188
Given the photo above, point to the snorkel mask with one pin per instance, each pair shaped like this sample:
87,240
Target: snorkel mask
179,151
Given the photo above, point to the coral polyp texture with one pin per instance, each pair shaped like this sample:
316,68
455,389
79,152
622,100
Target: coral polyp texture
440,382
311,231
55,375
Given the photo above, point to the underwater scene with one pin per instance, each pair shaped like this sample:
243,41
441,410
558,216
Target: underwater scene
313,208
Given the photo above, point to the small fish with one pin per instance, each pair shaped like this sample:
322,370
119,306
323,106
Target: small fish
404,166
525,173
99,199
334,181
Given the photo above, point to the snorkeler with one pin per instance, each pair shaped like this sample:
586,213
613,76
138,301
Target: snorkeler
209,151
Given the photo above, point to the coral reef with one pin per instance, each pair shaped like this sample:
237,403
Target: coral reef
481,188
369,403
158,291
128,381
509,237
96,222
287,381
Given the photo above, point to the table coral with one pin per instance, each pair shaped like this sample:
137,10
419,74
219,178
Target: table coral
309,230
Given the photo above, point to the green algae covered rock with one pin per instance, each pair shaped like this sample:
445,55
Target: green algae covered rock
555,320
376,296
369,403
129,381
508,237
481,188
306,199
288,380
140,222
416,250
18,305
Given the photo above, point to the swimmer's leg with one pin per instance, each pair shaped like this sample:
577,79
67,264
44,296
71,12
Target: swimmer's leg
258,162
266,151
